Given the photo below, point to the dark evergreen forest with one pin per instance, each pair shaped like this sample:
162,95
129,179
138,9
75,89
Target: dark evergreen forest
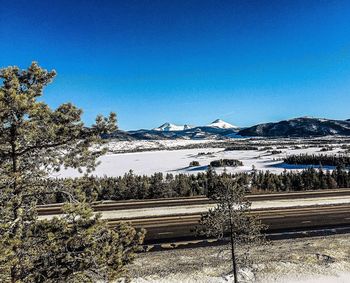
322,159
158,185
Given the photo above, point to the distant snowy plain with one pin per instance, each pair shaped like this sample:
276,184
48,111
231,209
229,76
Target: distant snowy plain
177,161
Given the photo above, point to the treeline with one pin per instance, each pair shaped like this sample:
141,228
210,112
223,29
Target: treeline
158,185
241,147
308,179
322,159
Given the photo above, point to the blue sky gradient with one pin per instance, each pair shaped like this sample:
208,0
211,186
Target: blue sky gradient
186,61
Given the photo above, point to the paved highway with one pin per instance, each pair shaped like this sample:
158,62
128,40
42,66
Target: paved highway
180,227
169,226
52,209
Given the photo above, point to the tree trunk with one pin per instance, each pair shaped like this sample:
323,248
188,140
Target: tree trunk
13,271
14,156
234,263
233,255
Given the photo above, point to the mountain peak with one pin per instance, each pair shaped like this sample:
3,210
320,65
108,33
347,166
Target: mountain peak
218,123
166,127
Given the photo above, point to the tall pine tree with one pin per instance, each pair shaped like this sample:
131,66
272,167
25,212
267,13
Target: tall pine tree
36,141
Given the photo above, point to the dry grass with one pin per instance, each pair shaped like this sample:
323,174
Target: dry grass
297,258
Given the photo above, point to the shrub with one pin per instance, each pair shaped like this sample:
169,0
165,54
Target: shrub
241,147
226,162
273,152
326,148
194,163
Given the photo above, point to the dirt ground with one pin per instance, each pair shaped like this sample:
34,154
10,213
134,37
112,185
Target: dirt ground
318,259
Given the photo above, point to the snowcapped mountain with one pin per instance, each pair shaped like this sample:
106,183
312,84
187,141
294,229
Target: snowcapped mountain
218,123
297,127
216,130
166,127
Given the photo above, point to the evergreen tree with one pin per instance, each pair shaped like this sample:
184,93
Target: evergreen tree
232,217
210,181
36,141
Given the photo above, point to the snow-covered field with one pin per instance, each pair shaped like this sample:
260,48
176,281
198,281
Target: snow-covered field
177,161
155,144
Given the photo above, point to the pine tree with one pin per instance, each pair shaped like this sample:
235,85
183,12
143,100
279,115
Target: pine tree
232,218
210,181
36,141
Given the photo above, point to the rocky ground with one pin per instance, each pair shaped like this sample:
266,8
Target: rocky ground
318,259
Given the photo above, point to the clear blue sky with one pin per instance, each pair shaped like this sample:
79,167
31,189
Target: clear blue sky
186,61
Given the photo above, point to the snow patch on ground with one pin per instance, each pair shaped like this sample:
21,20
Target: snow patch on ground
154,144
177,161
341,277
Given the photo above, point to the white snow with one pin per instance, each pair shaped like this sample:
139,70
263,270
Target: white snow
218,123
222,124
177,161
155,144
172,127
339,277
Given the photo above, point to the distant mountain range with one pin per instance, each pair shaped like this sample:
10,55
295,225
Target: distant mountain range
168,127
299,127
218,123
219,129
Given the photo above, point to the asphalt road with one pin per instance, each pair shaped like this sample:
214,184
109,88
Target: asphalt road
174,228
180,227
136,204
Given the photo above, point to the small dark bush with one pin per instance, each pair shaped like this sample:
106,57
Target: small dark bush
194,163
204,153
241,147
226,162
326,148
275,152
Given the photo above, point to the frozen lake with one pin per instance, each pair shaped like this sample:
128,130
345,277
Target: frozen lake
177,161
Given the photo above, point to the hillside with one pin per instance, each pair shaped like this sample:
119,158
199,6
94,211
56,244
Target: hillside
299,127
219,129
